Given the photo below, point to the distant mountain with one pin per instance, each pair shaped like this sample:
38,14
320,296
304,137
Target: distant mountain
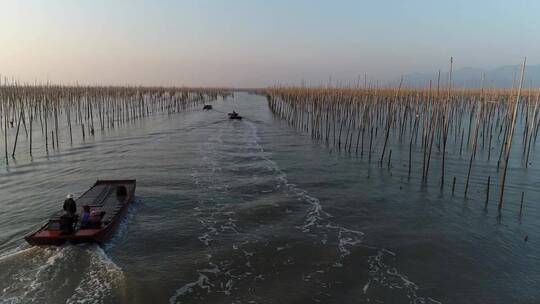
501,77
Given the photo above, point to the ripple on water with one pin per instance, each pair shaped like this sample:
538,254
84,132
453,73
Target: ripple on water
238,230
70,274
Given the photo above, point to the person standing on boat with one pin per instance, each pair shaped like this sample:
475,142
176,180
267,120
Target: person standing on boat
68,219
69,205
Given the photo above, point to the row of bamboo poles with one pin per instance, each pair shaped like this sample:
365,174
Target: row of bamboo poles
57,113
369,121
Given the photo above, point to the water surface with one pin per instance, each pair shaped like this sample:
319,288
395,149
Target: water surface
253,211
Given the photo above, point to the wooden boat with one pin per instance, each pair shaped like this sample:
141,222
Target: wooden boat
234,115
110,197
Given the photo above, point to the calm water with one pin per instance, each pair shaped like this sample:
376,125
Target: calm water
253,211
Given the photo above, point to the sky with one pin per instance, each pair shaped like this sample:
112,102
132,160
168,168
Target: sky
256,43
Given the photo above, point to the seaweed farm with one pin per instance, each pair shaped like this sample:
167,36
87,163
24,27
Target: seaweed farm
317,195
57,114
443,138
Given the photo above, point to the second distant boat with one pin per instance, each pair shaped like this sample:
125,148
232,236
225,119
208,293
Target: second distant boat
234,115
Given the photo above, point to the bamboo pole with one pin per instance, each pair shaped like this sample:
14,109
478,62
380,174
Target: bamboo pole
17,133
510,135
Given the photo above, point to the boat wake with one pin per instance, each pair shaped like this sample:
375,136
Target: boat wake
240,269
68,274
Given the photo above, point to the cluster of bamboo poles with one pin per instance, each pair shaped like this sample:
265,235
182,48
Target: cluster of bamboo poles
356,119
57,111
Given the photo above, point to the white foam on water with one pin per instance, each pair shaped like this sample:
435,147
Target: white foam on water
101,280
45,275
209,213
365,288
389,277
316,217
213,270
216,217
316,221
202,282
347,238
35,268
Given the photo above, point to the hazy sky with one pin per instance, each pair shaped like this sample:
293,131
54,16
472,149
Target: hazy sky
247,43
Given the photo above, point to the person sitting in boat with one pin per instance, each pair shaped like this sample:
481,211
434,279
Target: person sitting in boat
91,218
69,205
95,218
85,216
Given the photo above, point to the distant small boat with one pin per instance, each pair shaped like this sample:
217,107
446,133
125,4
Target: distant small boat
111,198
207,107
234,115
